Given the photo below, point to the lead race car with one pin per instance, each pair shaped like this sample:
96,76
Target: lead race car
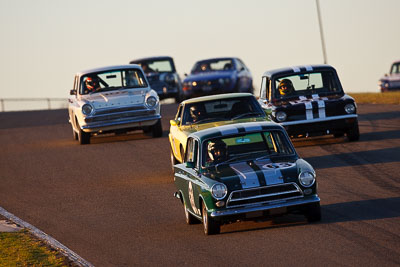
244,171
309,101
113,99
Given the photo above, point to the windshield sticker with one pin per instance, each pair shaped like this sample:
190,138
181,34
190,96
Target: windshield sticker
242,140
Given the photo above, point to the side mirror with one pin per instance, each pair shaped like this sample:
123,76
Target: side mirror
190,165
267,111
173,122
386,74
72,92
185,74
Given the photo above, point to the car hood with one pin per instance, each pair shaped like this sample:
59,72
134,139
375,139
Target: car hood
117,98
209,76
188,129
257,173
391,77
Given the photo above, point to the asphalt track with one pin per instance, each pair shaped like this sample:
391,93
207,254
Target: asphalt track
112,201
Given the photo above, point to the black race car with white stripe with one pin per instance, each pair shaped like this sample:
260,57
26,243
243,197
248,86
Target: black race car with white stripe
309,101
244,171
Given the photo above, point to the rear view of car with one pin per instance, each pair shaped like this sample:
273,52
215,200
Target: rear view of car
162,76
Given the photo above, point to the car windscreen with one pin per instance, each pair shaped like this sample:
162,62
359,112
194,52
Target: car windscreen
323,82
221,109
213,65
164,65
243,147
112,80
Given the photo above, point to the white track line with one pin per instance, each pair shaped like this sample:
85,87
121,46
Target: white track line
47,239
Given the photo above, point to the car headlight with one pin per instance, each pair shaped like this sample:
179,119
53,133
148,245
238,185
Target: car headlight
281,116
227,80
151,101
219,191
350,108
87,109
306,178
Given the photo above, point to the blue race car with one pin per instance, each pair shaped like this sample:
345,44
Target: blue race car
218,76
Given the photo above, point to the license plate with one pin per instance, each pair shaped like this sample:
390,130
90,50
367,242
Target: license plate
254,214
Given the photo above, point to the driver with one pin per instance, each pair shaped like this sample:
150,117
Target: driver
197,112
286,87
217,151
92,84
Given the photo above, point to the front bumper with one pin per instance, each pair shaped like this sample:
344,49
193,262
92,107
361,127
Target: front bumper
321,126
237,212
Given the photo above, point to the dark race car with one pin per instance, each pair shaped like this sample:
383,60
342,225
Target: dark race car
391,81
218,76
309,101
162,76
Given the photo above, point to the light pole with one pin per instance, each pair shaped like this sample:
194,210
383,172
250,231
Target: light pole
321,33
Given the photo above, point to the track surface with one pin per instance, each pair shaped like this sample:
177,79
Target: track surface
112,201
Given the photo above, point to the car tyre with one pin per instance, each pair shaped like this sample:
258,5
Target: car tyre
313,212
156,129
173,161
83,137
189,218
353,134
210,226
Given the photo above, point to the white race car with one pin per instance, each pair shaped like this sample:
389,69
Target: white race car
113,99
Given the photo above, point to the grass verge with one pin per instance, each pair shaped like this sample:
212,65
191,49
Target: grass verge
377,98
23,249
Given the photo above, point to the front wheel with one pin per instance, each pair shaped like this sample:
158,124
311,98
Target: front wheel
210,226
353,134
83,137
313,212
190,219
156,129
173,160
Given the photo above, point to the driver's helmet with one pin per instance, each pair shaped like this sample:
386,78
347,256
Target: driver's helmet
217,151
90,83
286,87
197,112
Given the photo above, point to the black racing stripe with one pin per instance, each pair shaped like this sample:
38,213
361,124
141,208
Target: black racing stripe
230,178
259,173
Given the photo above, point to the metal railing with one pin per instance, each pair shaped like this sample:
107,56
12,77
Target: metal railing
32,103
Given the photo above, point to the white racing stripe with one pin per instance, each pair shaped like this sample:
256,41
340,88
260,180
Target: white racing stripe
296,69
271,171
308,68
321,105
309,113
248,177
226,130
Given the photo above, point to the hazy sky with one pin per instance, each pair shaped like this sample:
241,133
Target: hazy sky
45,42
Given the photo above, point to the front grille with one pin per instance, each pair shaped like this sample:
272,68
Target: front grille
117,110
264,195
122,115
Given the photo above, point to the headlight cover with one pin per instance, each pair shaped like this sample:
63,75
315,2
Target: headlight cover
350,108
281,116
151,101
219,191
307,178
87,109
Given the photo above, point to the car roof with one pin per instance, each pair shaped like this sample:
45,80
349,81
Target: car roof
215,97
115,67
216,58
298,69
150,59
395,62
236,128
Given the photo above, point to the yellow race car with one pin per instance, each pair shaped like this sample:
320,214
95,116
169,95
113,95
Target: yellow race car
200,113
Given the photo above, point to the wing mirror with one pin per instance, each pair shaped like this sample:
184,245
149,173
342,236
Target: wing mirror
72,92
173,122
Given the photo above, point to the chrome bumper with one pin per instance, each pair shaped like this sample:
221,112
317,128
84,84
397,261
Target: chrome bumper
119,122
266,206
342,117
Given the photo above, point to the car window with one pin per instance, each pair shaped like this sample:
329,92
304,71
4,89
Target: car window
263,90
395,68
241,147
307,83
221,109
112,80
161,66
178,116
213,65
191,154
